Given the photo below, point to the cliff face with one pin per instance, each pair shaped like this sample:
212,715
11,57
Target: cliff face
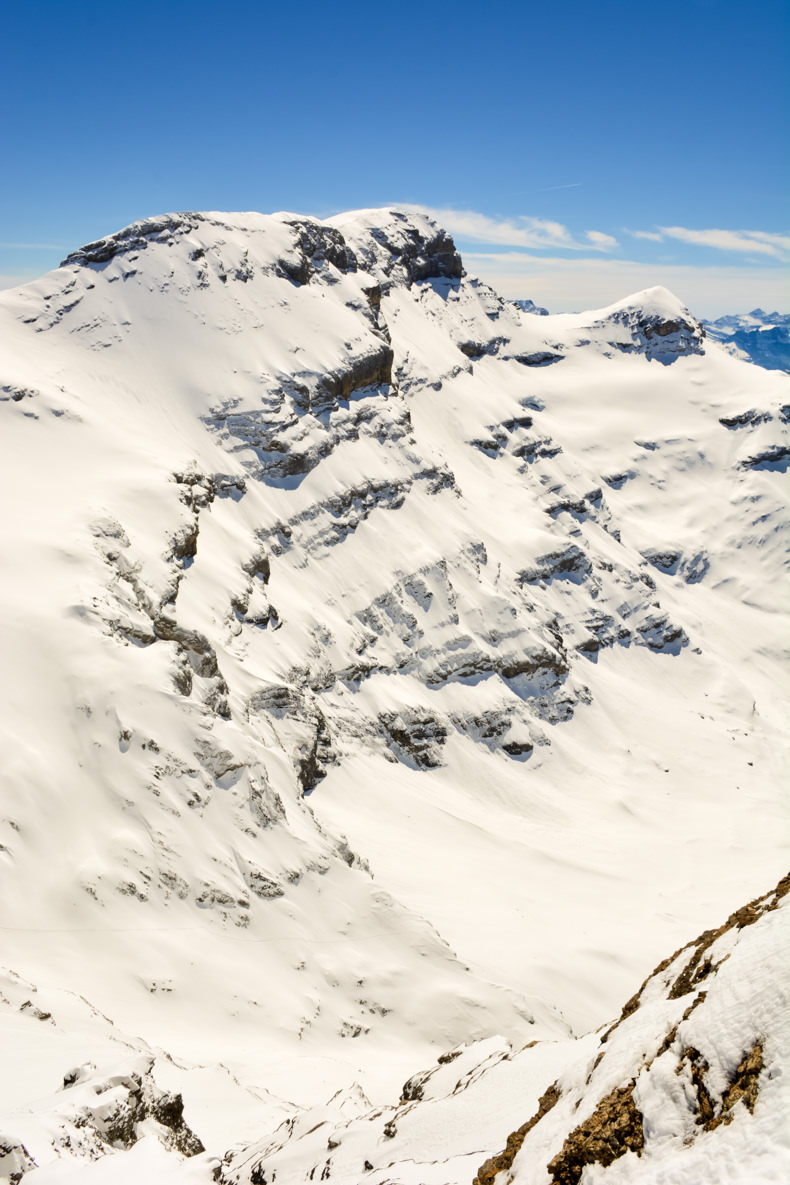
378,656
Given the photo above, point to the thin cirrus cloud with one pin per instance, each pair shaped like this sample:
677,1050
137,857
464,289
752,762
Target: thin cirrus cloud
32,246
652,235
755,242
568,283
522,231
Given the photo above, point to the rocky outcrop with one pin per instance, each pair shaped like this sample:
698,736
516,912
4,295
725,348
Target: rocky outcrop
774,456
301,727
123,1101
372,370
569,561
134,238
488,1172
614,1128
101,1113
657,327
309,416
697,1051
415,736
515,437
316,244
15,1160
672,562
660,1086
404,248
745,419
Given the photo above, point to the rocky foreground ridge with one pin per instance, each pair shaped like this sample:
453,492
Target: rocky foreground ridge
370,643
687,1084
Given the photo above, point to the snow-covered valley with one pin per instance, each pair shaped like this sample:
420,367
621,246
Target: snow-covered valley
391,674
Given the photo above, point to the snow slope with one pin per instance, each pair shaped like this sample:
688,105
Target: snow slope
686,1085
385,668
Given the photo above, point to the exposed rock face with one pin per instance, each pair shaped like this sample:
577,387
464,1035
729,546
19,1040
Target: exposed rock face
15,1160
660,328
120,1103
416,736
774,457
99,1114
313,244
318,244
568,561
614,1128
402,249
488,1172
137,237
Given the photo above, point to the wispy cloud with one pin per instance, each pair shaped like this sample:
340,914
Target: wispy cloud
522,231
566,283
753,242
544,189
32,246
601,241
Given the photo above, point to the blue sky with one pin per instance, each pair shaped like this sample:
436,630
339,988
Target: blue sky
577,151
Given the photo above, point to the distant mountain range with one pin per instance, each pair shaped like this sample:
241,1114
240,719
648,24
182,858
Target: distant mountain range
759,337
529,306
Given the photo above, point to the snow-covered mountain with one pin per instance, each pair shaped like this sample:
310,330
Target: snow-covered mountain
759,337
388,670
529,306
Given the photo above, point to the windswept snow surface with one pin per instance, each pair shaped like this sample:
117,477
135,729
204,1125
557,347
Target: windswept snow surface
385,669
